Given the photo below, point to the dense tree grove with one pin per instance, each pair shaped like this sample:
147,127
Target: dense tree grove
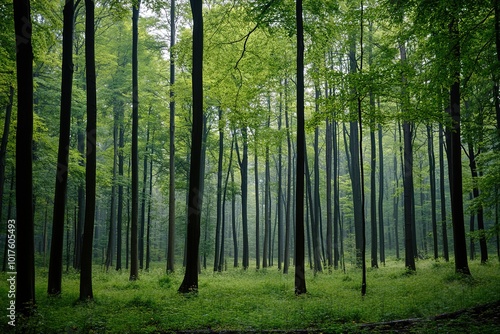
263,133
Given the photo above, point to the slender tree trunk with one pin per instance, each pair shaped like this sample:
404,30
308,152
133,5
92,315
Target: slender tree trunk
442,194
329,205
220,213
288,212
373,200
432,180
190,281
395,212
381,195
171,184
233,220
408,175
222,253
300,279
480,215
257,212
279,210
316,228
267,208
134,267
355,165
336,197
455,154
56,246
119,220
142,234
90,170
150,200
243,163
25,278
111,236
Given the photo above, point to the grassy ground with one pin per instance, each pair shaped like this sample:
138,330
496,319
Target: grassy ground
257,300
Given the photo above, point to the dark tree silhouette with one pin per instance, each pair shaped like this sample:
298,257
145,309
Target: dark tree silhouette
134,266
25,297
90,168
190,281
56,246
300,278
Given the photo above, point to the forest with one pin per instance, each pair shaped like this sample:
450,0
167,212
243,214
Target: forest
247,166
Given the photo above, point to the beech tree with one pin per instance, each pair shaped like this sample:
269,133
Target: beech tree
190,281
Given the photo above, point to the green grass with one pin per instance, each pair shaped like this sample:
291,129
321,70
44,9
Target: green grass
256,300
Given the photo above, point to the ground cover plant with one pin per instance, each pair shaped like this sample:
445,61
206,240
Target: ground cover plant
238,300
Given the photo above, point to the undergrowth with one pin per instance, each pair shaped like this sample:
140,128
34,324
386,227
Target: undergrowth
256,300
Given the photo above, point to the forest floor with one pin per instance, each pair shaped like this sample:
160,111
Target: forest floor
434,299
479,319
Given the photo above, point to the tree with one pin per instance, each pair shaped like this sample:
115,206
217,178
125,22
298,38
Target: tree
134,267
25,278
300,279
190,281
455,151
90,168
56,246
171,187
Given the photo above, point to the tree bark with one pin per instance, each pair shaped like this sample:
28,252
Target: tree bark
190,281
90,170
134,267
56,246
442,194
300,279
432,180
407,174
381,195
171,184
455,156
220,213
25,278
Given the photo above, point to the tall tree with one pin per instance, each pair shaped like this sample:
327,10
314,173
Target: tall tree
442,195
190,281
407,171
300,279
171,185
455,150
432,181
25,278
56,246
134,266
90,169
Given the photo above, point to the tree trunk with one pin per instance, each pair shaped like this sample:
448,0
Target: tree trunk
279,201
119,221
25,278
336,197
90,170
395,212
354,169
150,200
142,234
56,246
220,213
134,268
223,229
267,208
480,215
112,217
288,212
329,206
432,180
381,195
496,95
455,157
442,194
408,174
257,212
373,199
300,279
171,184
190,281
